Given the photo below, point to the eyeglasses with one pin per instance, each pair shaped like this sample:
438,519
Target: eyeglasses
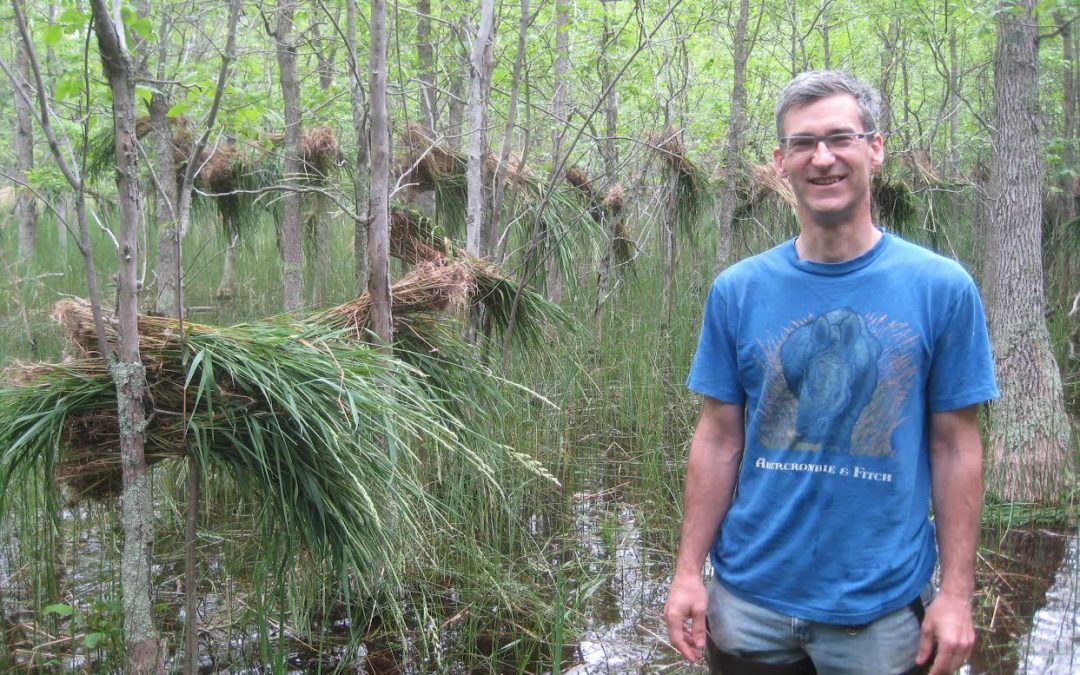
796,145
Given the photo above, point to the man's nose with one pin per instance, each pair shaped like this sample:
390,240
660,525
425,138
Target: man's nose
822,153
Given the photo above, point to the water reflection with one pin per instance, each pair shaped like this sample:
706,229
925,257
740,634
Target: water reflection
1050,647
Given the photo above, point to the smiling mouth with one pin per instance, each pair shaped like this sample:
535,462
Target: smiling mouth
828,180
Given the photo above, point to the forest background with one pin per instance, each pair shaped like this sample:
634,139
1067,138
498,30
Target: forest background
513,210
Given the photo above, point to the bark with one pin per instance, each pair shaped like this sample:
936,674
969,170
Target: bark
888,64
1070,182
144,652
325,52
360,174
426,51
604,280
499,187
611,102
25,206
479,81
379,229
291,234
669,251
1028,454
826,52
559,111
226,289
319,233
169,299
728,195
456,113
953,156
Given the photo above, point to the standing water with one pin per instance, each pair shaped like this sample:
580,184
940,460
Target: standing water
1050,648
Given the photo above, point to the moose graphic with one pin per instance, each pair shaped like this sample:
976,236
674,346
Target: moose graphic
830,365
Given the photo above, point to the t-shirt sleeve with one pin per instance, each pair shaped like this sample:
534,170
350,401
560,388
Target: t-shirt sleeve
962,369
715,370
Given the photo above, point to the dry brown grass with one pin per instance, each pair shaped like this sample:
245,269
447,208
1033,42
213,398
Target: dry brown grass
319,150
432,286
765,181
613,200
221,171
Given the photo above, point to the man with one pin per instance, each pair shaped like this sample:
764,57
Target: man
841,375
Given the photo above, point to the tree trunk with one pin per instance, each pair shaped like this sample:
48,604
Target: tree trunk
360,174
479,78
611,103
669,251
325,50
728,195
426,51
291,231
888,65
559,111
25,206
379,230
604,280
499,182
144,653
456,106
1070,182
953,155
826,51
1028,458
169,299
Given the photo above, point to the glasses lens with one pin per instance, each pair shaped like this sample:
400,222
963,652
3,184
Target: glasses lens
840,141
798,144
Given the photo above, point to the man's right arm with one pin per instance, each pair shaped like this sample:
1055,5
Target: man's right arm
711,473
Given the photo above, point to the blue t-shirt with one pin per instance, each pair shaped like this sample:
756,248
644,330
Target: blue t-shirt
839,366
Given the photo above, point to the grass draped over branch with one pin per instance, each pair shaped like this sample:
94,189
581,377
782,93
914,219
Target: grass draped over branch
693,196
433,165
896,204
236,181
101,146
566,228
325,431
416,241
605,211
625,248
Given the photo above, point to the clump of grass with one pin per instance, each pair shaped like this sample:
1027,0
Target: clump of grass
414,240
692,193
896,203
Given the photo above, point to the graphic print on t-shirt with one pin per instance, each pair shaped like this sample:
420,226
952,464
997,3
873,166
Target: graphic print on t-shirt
836,382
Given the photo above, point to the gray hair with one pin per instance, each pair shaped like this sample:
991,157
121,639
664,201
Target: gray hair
806,88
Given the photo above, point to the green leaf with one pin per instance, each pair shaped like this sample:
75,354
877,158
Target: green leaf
69,86
59,608
52,35
92,639
144,94
178,109
143,27
72,18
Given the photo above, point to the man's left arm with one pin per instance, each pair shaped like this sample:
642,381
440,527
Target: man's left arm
956,489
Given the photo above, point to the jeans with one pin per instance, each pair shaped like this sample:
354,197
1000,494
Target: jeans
885,647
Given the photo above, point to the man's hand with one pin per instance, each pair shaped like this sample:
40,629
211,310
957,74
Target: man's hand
684,614
949,628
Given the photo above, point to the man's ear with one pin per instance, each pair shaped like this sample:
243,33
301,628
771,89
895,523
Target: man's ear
778,163
877,149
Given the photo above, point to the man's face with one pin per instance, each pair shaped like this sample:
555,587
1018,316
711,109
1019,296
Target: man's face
832,185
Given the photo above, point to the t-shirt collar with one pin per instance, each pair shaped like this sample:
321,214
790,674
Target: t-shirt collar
837,268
